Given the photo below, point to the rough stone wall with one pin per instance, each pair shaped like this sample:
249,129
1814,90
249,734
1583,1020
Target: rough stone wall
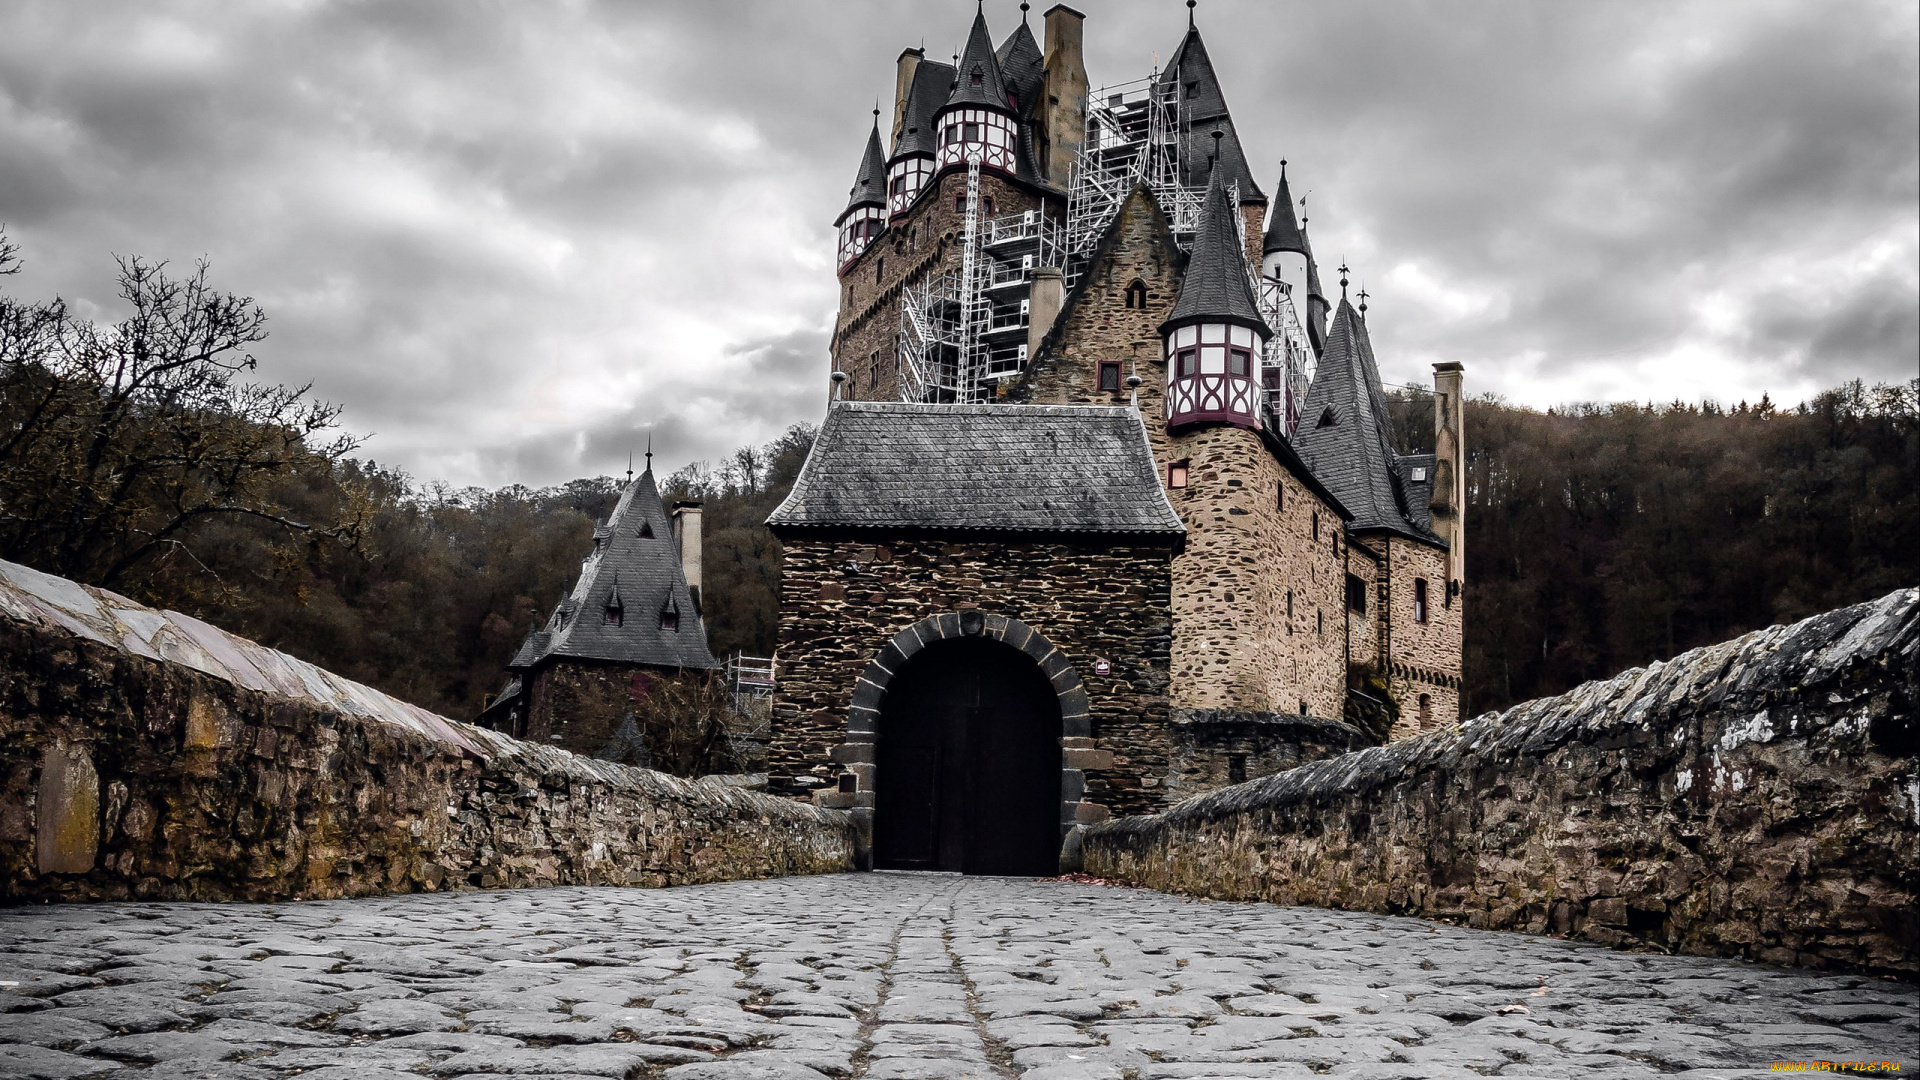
1092,602
141,764
1418,658
926,240
1234,646
1363,631
1758,798
1215,748
577,706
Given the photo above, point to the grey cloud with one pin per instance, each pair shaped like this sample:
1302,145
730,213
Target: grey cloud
512,240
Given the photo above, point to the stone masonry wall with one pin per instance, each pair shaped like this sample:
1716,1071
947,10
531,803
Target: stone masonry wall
841,601
1214,748
147,755
1235,646
926,240
1759,798
1419,657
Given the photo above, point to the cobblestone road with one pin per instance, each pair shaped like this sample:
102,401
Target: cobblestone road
912,977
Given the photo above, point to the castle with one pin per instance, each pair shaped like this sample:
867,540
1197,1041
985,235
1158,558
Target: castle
1104,511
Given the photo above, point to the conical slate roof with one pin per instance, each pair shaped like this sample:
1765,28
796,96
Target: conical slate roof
1204,109
932,82
1020,67
979,62
870,185
1283,228
1343,432
1216,287
634,571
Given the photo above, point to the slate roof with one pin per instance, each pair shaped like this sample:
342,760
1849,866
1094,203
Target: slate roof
1216,287
979,55
870,185
1343,434
641,576
1283,227
1020,468
1206,109
1020,66
932,82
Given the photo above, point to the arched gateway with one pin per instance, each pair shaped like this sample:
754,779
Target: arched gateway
969,773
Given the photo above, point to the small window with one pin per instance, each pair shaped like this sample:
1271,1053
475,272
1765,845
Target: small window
1236,768
1419,473
975,77
1188,363
615,616
1356,595
1137,295
848,782
986,203
670,619
1419,599
1303,708
1109,374
1426,711
879,269
1289,603
1177,474
970,132
1326,418
1316,526
959,204
1320,622
646,530
1238,362
1280,496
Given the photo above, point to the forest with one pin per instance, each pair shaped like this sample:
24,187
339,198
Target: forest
139,456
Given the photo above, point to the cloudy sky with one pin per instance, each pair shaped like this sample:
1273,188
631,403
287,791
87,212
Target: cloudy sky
513,237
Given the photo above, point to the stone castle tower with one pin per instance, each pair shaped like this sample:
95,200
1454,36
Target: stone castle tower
1106,509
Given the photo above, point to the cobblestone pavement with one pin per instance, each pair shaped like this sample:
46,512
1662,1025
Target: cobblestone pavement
909,977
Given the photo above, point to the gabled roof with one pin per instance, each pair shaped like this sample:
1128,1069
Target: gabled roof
909,467
1216,287
1204,109
870,184
1343,433
1020,66
978,58
1283,228
635,568
932,82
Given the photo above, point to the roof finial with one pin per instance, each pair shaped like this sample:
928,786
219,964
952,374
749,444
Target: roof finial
1363,298
629,464
1283,168
649,451
1191,4
1023,11
839,379
1343,278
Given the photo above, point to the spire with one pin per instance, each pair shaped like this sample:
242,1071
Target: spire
1216,288
1283,229
1190,75
870,185
1343,431
977,78
1021,62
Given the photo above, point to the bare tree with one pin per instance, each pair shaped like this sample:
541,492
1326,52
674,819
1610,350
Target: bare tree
117,440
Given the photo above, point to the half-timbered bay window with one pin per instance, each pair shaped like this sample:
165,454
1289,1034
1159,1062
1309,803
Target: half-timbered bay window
906,179
857,231
1212,374
986,132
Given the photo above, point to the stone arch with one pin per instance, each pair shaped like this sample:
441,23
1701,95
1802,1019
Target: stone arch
858,753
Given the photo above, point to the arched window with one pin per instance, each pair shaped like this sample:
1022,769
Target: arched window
1137,295
1426,710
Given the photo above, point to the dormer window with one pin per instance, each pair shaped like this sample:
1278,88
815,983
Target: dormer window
670,616
1327,418
646,530
976,77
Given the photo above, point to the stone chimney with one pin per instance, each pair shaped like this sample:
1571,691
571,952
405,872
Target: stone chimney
904,68
1449,501
1063,95
686,534
1043,305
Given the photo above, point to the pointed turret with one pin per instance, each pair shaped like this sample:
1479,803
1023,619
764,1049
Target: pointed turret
628,586
978,119
1286,265
1215,335
978,80
1203,110
1343,433
866,212
1283,228
1020,68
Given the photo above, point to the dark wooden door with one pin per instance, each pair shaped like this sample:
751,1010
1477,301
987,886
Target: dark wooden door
968,773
